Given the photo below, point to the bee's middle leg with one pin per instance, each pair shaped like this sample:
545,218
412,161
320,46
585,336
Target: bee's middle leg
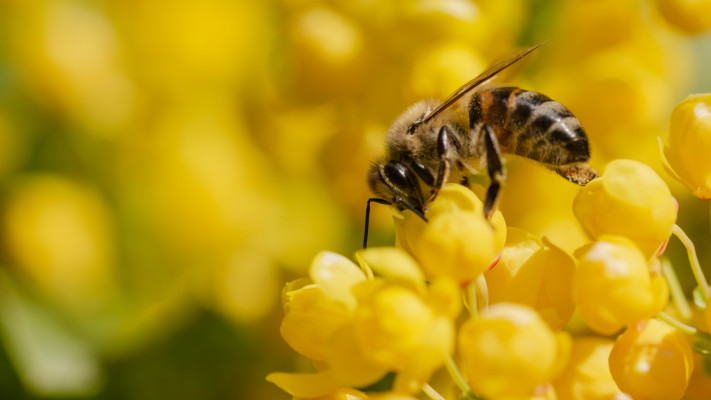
495,167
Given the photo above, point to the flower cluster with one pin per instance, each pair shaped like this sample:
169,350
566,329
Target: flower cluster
398,314
171,160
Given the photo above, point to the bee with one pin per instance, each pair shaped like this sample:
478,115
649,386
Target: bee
433,143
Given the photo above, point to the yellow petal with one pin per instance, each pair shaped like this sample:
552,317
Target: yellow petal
304,385
336,275
311,319
347,360
393,264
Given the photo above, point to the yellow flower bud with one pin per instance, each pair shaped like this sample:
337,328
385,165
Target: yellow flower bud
689,16
452,198
630,200
587,375
700,383
536,274
459,245
509,351
613,286
651,360
689,143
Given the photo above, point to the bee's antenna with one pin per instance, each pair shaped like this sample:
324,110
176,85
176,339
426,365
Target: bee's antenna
367,216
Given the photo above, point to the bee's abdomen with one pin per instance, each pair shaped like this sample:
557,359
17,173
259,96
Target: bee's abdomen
531,125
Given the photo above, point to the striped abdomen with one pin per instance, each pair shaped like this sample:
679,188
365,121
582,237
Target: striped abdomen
531,125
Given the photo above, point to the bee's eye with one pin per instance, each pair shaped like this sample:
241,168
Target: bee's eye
400,178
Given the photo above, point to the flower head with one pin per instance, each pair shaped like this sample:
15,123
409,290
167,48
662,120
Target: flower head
358,328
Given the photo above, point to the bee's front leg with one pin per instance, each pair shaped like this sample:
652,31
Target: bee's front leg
443,141
495,167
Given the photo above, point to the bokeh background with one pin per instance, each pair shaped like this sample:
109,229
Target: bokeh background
165,166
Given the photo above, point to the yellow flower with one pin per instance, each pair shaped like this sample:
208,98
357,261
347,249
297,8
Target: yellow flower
534,273
58,233
327,50
689,143
630,200
400,323
689,16
397,329
651,360
458,241
509,351
310,320
315,312
392,321
700,382
613,285
359,327
587,375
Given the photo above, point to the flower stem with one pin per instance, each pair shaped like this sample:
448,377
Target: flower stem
677,294
482,290
693,260
669,320
473,303
431,393
459,379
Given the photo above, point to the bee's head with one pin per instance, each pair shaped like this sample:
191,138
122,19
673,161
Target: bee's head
398,184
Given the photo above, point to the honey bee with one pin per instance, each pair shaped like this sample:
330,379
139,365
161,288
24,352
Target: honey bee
433,143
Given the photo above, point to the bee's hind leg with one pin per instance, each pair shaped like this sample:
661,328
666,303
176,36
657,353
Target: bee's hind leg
495,167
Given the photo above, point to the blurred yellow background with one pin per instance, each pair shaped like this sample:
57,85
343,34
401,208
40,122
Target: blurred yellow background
165,167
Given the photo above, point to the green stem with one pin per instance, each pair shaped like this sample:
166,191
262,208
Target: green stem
473,303
669,320
677,293
459,379
693,260
482,290
431,393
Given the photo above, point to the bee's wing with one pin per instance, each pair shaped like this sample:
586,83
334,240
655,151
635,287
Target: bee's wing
483,77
